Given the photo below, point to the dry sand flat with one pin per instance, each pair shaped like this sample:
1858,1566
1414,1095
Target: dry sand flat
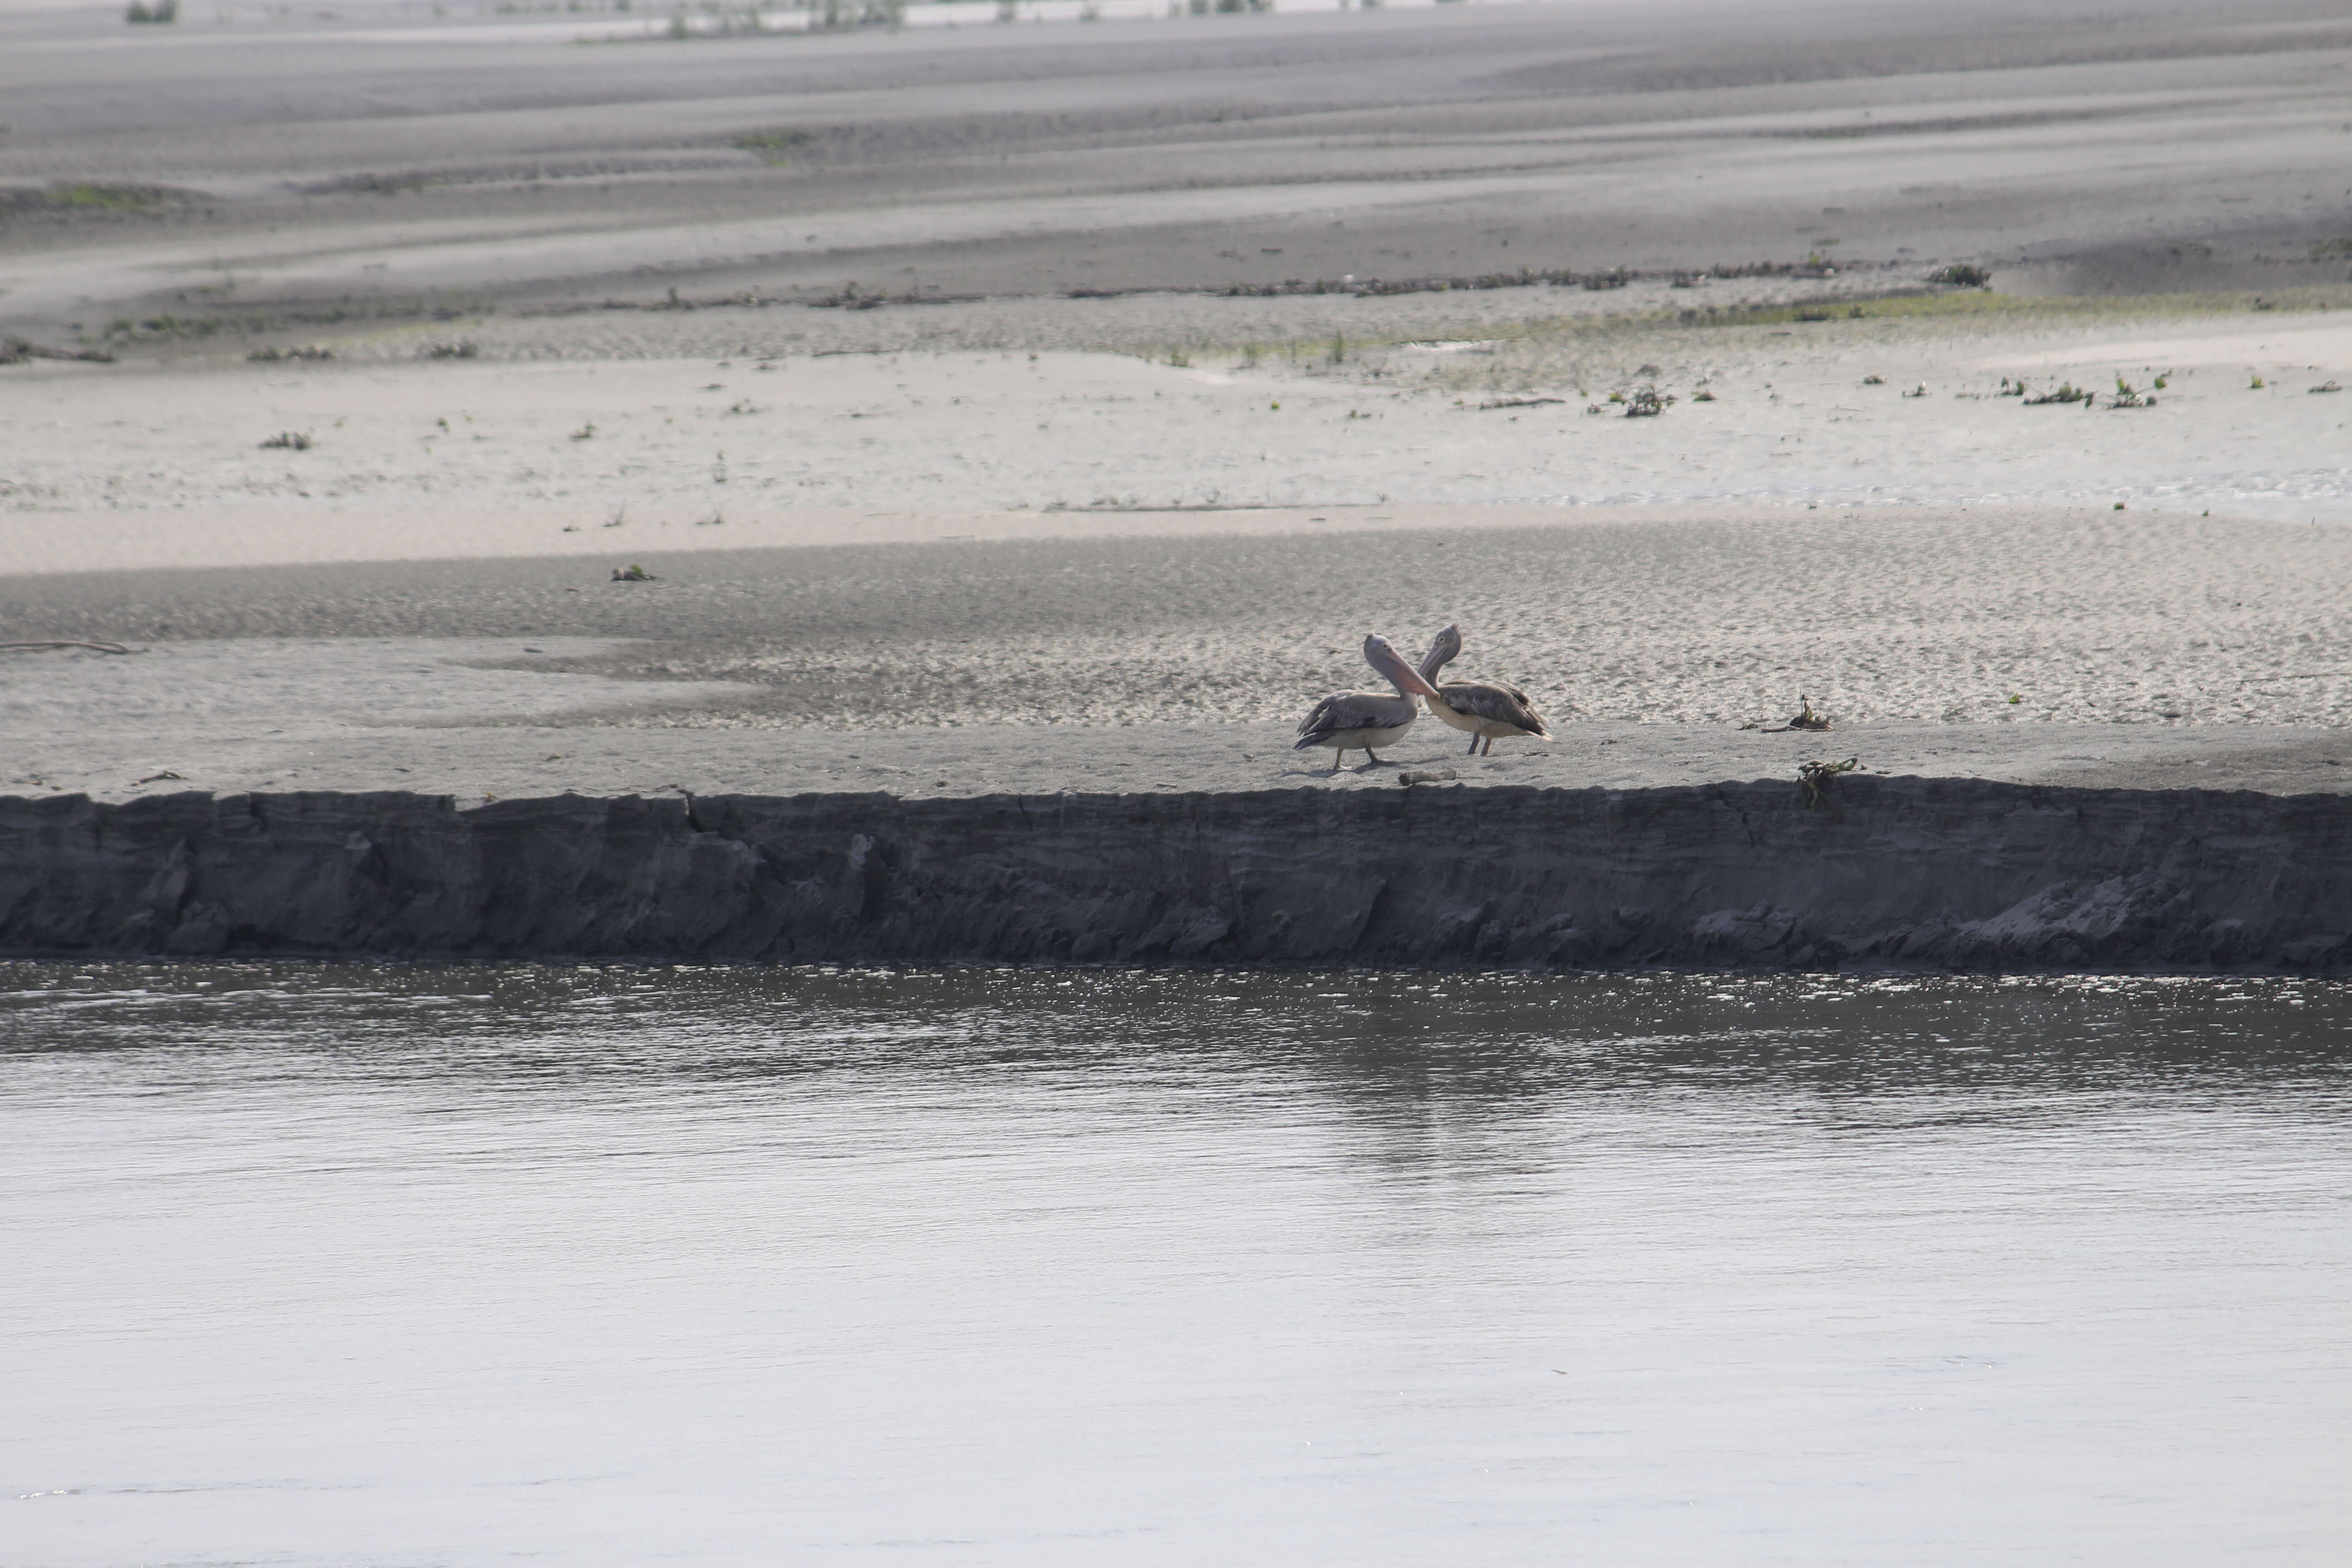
130,466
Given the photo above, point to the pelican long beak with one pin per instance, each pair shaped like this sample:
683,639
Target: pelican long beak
1390,663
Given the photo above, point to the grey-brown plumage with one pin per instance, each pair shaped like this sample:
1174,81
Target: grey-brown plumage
1359,720
1489,709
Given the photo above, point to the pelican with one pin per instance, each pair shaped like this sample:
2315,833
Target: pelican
1487,708
1359,720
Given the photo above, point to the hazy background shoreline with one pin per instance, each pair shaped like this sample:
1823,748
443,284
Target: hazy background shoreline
263,162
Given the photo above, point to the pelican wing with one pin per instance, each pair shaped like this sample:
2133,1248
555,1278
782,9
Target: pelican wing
1494,699
1345,711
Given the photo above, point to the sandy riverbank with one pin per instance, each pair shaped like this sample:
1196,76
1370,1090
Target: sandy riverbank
1036,542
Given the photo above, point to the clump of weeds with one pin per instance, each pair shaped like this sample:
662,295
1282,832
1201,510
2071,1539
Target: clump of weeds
1817,777
288,441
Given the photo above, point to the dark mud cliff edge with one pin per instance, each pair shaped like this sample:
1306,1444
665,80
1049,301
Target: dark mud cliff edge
1887,872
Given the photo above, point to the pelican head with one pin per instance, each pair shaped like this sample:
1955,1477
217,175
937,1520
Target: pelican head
1407,680
1443,650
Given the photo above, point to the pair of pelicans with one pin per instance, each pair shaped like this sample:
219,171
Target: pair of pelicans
1359,720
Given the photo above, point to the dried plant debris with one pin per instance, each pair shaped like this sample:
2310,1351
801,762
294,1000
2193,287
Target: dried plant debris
1817,778
2326,386
17,350
45,647
2067,392
632,574
290,441
2128,397
1430,775
1645,403
1803,718
1514,403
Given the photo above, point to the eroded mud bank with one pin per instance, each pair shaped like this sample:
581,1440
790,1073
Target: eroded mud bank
1890,871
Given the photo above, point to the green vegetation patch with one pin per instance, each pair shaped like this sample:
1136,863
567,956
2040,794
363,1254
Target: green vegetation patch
125,329
1986,306
774,146
68,196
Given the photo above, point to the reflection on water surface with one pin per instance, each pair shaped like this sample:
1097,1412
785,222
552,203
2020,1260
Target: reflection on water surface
606,1265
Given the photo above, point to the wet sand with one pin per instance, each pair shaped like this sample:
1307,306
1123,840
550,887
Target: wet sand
446,163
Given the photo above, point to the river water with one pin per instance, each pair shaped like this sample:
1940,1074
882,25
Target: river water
346,1265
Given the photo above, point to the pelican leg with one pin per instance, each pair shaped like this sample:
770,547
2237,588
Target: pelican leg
1338,756
1374,756
1490,747
1473,746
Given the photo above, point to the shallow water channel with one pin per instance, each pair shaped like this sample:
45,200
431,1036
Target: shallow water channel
350,1265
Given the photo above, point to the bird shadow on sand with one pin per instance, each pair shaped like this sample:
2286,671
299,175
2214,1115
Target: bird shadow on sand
1385,768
